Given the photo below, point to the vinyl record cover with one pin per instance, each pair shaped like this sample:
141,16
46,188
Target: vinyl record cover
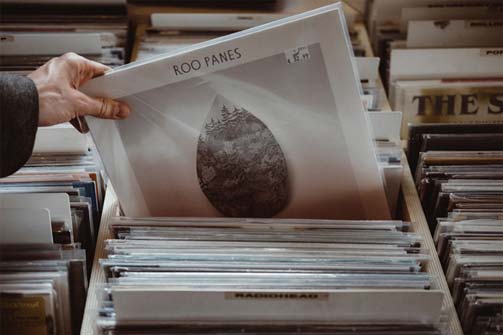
449,101
267,122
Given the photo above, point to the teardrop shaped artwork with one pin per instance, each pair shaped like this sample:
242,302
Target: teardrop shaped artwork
241,167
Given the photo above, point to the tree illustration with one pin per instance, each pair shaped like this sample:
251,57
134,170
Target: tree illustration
225,113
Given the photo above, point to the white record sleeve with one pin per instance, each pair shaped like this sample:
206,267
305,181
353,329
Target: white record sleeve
25,226
455,34
389,11
353,305
58,204
211,22
49,43
267,122
62,138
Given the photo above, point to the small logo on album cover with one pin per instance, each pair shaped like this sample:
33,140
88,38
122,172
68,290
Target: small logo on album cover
297,55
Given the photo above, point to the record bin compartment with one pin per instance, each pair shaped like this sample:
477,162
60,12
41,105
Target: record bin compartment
410,209
409,204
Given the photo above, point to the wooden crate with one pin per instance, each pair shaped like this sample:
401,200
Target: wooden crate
411,211
409,201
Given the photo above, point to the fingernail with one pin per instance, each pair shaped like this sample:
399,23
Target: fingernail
121,111
116,111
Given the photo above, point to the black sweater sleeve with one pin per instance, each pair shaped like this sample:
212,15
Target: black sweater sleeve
18,121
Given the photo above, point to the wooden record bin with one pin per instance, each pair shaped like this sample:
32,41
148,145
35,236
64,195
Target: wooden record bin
410,208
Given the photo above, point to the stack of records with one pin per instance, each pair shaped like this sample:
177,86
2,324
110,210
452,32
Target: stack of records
173,31
472,255
273,276
459,175
33,34
42,286
457,168
50,212
68,185
50,208
440,59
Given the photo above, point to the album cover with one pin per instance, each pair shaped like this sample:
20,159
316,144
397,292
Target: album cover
28,311
38,279
227,128
448,101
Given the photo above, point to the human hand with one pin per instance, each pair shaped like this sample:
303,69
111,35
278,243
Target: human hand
58,81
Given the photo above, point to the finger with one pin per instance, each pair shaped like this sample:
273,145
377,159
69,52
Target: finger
81,69
104,108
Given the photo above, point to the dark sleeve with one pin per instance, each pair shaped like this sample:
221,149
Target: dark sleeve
18,121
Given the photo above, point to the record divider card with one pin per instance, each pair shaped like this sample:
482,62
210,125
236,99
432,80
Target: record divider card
411,211
140,13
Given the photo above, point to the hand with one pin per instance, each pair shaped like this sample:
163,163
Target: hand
58,81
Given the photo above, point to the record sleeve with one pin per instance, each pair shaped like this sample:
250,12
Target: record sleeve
227,128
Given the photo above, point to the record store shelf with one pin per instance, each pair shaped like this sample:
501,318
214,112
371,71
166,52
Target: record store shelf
410,208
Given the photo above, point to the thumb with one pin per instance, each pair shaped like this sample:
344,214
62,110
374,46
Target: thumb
104,108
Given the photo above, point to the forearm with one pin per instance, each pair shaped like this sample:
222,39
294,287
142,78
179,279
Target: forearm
19,113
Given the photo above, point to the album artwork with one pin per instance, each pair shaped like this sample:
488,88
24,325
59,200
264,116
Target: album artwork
229,129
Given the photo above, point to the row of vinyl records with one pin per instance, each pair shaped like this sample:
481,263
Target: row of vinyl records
442,63
34,31
266,276
458,172
441,60
50,211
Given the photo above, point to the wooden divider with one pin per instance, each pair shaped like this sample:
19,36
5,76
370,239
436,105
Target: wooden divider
413,212
110,209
